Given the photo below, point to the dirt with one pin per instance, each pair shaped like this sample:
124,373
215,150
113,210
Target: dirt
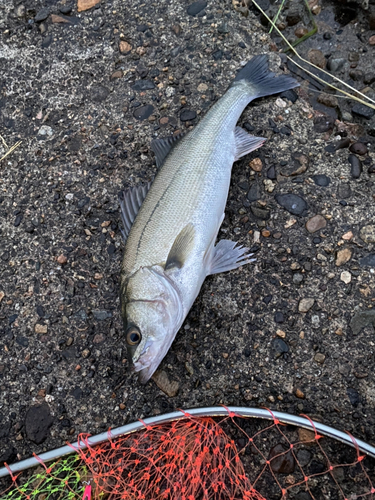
67,93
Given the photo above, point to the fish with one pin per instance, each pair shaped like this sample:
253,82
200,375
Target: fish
170,225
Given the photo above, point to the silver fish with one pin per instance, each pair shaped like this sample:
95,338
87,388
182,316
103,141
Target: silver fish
171,226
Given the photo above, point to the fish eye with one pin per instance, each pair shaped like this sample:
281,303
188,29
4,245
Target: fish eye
133,336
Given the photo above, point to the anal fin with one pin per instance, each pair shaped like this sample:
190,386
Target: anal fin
226,256
245,143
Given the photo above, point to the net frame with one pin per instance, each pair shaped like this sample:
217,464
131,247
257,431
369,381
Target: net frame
215,411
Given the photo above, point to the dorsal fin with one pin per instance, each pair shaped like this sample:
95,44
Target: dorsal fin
181,248
162,147
130,202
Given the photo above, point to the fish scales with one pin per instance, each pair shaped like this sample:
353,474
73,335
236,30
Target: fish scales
170,247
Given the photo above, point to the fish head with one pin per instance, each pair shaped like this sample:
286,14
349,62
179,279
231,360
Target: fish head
152,315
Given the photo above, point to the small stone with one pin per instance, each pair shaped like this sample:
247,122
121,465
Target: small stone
344,191
323,123
38,420
279,347
328,100
271,173
99,93
305,305
260,213
344,143
297,278
319,358
335,63
358,148
124,47
346,277
196,7
343,256
316,223
143,112
256,165
141,85
317,58
279,317
41,329
361,320
2,295
202,87
321,180
122,406
86,353
161,379
356,166
266,233
371,40
59,19
299,394
83,5
305,436
369,78
371,169
281,461
225,355
290,95
62,259
98,338
367,233
281,334
347,236
117,74
42,15
187,115
300,32
363,111
369,260
293,203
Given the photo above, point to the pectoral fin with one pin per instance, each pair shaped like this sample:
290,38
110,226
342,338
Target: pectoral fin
181,248
245,143
162,147
226,256
130,202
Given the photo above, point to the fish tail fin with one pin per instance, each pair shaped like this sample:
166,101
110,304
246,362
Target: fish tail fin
261,80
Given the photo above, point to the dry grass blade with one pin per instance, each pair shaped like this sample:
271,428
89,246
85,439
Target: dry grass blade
319,69
10,150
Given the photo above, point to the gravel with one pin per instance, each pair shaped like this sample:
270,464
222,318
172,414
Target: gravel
85,137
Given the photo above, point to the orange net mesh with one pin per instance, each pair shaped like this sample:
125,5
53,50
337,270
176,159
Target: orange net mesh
228,458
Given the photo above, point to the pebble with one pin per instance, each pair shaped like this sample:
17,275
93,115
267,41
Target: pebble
358,148
62,259
315,223
117,74
299,394
2,295
371,169
317,58
281,334
344,143
187,115
124,47
362,319
42,15
260,213
281,460
346,277
143,112
202,87
271,173
38,420
279,347
335,63
169,387
254,193
196,7
83,5
328,100
99,93
300,32
293,203
367,233
371,40
305,305
45,130
343,256
306,436
344,191
102,315
141,85
279,317
347,236
290,95
319,358
321,180
353,396
256,165
41,329
368,260
363,111
356,166
323,123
